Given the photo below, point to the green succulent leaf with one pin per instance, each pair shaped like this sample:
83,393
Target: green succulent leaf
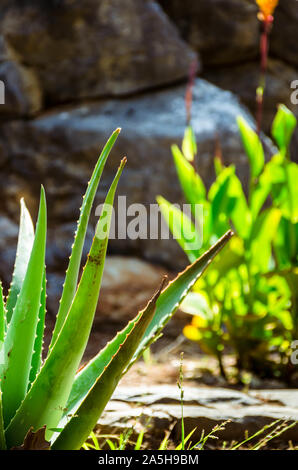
46,399
2,318
169,300
2,433
24,247
20,337
37,354
253,147
176,291
81,424
72,272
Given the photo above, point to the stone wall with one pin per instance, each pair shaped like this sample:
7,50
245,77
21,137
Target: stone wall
76,70
226,33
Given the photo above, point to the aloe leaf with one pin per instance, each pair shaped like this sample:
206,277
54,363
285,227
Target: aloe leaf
19,340
72,272
81,424
24,247
2,318
37,354
2,434
172,296
168,302
86,376
47,396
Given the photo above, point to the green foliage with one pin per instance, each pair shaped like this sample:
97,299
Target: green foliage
52,396
248,298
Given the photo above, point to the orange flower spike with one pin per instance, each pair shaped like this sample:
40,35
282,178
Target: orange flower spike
267,8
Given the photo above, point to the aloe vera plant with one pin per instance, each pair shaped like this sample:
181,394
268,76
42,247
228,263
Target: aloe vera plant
51,397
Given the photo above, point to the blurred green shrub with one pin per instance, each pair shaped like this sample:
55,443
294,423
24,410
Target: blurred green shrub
248,299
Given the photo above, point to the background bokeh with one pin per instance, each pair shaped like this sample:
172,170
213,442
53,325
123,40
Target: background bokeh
74,70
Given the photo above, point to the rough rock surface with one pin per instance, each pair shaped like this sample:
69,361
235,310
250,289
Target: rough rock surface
59,149
223,31
67,62
86,49
244,81
203,409
284,34
226,34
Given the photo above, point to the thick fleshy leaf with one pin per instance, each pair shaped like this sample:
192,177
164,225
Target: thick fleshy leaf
253,147
38,343
283,127
81,424
86,376
2,319
48,395
176,291
2,332
24,247
167,304
183,229
72,272
2,434
20,337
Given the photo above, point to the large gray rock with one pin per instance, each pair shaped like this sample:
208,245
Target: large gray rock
8,240
59,149
223,31
85,49
23,95
284,34
244,80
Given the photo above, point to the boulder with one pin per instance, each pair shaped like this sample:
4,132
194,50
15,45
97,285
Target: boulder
284,33
60,148
243,80
22,95
85,49
222,31
8,246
